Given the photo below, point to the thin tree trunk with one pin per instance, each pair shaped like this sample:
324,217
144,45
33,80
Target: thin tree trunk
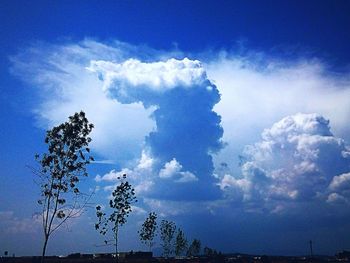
116,245
44,249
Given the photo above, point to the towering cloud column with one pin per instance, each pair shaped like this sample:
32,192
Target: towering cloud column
187,128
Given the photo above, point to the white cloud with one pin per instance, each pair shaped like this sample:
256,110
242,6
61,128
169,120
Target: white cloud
59,75
186,177
170,169
173,169
335,198
146,162
183,100
340,182
339,189
297,159
141,176
113,175
144,166
238,188
9,223
105,161
159,75
257,91
145,177
144,186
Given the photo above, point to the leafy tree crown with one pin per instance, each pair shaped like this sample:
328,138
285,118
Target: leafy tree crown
123,197
65,162
67,157
148,229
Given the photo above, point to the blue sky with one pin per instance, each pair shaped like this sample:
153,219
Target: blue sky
230,117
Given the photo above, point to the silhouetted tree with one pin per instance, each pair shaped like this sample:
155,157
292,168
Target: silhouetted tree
167,232
61,168
148,230
180,243
195,248
209,252
122,199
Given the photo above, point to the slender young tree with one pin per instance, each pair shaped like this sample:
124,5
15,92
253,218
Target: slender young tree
122,199
61,169
180,243
194,248
148,230
167,232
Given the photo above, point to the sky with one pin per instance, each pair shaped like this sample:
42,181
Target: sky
229,118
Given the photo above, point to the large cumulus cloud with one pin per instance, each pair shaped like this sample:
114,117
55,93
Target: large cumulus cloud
297,160
187,130
257,90
142,102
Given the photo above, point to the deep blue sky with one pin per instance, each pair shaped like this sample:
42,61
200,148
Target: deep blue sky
318,26
286,32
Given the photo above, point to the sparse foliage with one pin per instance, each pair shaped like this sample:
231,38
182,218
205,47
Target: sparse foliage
180,243
195,248
148,230
122,199
167,232
61,169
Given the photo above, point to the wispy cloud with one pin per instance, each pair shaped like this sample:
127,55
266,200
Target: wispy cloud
12,224
59,76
